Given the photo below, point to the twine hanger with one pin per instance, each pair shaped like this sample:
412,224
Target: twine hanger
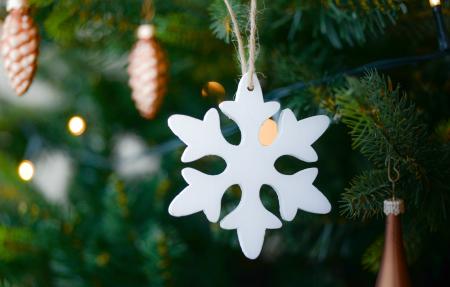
148,10
250,68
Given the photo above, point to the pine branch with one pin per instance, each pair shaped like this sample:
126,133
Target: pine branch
364,199
385,124
348,23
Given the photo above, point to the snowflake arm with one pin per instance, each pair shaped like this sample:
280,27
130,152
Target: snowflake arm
251,219
249,110
298,192
201,137
204,193
296,137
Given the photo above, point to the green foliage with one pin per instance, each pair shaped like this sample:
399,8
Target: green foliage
337,20
161,251
385,126
61,23
364,199
372,256
4,283
221,24
341,22
383,123
442,132
15,243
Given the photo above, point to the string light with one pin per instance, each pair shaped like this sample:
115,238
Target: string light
214,89
26,170
287,91
76,125
440,25
434,3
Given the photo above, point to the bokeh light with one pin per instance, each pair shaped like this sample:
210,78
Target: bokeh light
434,3
76,125
213,89
26,170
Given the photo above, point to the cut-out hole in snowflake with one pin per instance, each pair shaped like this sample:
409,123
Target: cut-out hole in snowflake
211,165
269,199
289,165
230,200
250,165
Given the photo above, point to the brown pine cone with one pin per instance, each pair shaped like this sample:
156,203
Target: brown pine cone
20,48
148,71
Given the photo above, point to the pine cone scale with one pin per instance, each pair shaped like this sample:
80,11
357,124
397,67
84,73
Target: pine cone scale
20,48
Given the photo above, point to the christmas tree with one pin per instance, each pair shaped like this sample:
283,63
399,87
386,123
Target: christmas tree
86,181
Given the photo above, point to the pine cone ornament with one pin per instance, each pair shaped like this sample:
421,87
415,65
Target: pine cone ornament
20,46
148,72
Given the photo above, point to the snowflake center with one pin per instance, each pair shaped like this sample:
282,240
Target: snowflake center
251,161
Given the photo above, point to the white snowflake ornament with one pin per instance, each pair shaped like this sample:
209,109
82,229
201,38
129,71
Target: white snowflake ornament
250,165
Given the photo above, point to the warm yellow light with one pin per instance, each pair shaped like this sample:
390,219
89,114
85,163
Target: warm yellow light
434,3
214,89
268,132
26,170
77,125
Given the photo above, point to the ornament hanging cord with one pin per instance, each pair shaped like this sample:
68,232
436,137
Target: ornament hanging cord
252,41
393,177
148,10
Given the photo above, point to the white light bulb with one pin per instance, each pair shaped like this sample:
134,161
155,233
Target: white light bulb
77,125
26,170
434,3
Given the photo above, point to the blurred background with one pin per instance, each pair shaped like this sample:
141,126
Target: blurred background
85,181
